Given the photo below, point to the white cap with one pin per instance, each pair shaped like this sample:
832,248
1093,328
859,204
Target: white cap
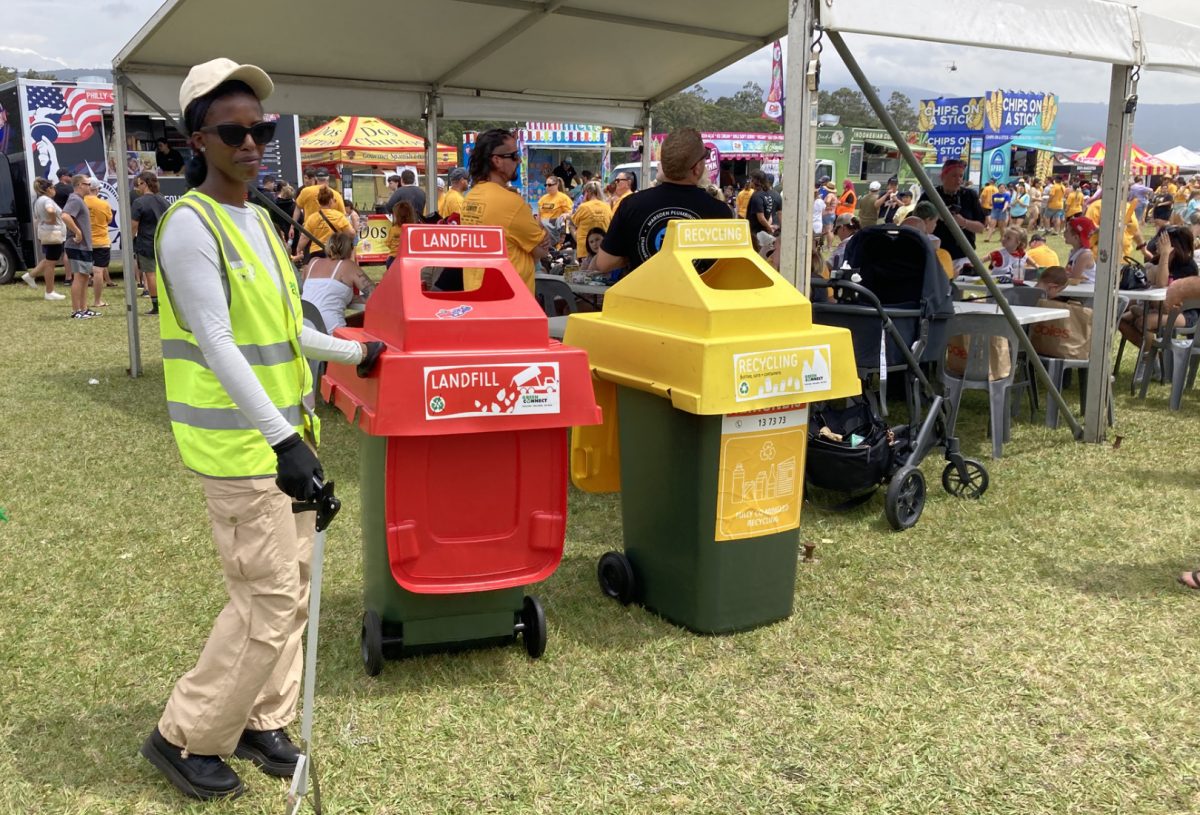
873,186
441,183
208,75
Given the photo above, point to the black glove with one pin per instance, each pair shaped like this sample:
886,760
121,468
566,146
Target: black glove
370,358
298,466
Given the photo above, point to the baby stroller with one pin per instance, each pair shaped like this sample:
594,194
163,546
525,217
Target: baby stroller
895,300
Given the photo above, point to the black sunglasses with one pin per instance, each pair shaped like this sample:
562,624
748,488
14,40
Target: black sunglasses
235,135
514,155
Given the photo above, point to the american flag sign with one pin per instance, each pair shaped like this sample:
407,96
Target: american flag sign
68,112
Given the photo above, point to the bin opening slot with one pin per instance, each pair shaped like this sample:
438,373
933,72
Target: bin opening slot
495,286
729,274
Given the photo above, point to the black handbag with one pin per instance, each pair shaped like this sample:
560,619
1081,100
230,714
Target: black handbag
1133,276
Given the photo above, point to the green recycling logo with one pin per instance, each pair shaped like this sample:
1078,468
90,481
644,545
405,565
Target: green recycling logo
744,388
437,404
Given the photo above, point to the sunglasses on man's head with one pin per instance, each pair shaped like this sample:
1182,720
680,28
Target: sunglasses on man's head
234,135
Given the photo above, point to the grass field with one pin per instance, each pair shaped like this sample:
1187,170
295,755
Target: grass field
1027,653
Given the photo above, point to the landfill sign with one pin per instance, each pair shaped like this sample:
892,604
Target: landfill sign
510,389
785,372
761,472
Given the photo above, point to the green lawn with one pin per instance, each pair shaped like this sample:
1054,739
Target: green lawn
1028,653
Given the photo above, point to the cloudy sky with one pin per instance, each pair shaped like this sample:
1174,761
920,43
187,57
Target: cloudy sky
92,31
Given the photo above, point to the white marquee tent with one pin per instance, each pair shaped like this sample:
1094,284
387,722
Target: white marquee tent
1186,160
479,61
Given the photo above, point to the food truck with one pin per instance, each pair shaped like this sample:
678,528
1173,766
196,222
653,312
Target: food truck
864,154
48,125
544,145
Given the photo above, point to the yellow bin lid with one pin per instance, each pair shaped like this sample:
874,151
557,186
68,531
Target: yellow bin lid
736,338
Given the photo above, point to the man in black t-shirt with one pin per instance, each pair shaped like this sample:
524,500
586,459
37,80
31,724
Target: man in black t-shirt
963,204
168,159
638,227
63,189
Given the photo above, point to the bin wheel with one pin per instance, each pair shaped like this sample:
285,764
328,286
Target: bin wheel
615,574
533,620
974,486
905,498
372,643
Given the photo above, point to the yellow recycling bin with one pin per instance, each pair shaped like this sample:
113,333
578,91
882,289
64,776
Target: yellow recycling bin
710,375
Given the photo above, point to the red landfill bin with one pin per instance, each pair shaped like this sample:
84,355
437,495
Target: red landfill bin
464,450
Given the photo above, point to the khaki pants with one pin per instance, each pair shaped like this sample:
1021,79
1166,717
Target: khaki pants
248,675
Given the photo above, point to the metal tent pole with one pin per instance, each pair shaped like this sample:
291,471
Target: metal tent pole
1122,101
433,104
647,150
128,274
801,81
955,230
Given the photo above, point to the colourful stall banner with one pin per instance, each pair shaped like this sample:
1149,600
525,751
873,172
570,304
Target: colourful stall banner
372,234
1000,111
761,472
773,109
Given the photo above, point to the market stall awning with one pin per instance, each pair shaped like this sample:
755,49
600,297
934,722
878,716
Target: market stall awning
1182,157
1049,148
1143,162
365,141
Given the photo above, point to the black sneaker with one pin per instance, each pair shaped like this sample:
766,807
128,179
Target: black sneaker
203,777
152,311
271,750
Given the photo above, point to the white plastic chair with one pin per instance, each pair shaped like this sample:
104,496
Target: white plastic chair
1180,348
977,375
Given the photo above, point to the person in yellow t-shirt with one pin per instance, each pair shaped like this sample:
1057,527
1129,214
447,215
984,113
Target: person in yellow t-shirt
491,202
1180,194
1055,205
743,198
625,187
555,203
1073,206
452,201
1038,255
985,195
101,215
592,213
306,199
321,224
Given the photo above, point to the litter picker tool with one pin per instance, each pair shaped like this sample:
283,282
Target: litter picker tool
326,505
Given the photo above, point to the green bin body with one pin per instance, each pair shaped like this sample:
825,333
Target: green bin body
421,622
669,482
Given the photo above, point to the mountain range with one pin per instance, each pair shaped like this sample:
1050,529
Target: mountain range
1080,124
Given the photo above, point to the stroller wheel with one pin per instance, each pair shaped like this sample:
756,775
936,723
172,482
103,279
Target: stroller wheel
973,486
905,498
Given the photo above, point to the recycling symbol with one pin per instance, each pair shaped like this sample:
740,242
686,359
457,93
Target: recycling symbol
437,404
767,452
744,388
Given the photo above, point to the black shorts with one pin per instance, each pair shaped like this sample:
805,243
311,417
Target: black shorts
52,251
102,256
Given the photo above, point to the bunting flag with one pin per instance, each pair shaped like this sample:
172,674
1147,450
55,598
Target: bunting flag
774,107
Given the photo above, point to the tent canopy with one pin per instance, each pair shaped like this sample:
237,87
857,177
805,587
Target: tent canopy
370,142
1182,157
1142,162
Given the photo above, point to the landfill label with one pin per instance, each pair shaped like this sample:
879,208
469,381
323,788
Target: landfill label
509,389
761,472
446,241
782,372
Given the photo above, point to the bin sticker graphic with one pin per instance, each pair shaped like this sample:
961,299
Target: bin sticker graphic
761,472
782,372
455,391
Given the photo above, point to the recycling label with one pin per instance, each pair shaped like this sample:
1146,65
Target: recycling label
508,389
761,472
782,372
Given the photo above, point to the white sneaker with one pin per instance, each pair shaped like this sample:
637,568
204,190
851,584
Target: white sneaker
28,278
53,295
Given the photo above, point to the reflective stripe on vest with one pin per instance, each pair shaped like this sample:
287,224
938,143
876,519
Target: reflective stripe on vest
214,437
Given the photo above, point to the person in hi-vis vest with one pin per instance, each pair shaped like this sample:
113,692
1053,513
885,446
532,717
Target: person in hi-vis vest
240,400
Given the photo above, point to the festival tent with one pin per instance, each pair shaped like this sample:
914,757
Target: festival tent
1141,162
484,70
364,141
1187,160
